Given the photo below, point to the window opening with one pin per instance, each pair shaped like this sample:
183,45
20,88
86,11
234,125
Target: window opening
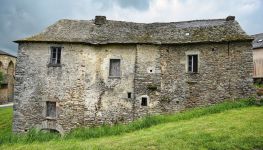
193,63
51,109
115,67
129,95
144,101
55,55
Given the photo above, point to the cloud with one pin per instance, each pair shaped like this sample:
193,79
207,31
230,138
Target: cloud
141,5
23,18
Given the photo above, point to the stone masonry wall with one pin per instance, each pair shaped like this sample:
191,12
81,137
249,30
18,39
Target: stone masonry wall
81,87
85,95
225,72
106,98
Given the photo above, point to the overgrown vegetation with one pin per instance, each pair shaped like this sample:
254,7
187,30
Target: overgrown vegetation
107,131
258,85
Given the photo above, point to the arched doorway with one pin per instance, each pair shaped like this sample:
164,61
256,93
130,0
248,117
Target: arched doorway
1,67
10,74
1,71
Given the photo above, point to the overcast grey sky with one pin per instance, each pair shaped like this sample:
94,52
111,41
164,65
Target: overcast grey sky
22,18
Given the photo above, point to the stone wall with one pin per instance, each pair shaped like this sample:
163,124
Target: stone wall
86,95
225,72
81,88
7,67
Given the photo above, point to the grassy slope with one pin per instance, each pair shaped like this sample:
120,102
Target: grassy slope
6,118
234,129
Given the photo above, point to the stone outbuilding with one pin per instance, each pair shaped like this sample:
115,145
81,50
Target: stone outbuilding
258,57
91,72
7,67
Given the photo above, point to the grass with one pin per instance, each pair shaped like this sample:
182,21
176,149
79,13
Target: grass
230,125
6,118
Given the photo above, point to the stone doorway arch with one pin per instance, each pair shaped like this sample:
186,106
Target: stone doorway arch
11,80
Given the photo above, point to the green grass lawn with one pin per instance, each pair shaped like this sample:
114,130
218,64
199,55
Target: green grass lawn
6,118
224,126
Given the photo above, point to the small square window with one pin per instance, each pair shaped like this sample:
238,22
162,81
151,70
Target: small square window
193,63
51,109
55,57
115,68
144,101
129,95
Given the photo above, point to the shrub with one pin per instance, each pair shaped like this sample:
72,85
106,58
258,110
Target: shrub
251,100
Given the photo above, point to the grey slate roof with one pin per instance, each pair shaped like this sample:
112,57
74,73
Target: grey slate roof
86,31
5,53
258,41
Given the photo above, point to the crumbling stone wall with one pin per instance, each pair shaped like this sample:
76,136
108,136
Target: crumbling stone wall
106,98
147,79
85,95
81,87
225,72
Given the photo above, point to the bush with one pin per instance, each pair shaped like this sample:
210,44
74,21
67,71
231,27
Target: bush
258,85
251,101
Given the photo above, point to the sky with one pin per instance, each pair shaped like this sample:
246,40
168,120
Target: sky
23,18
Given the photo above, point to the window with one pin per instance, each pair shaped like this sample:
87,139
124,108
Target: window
51,109
193,63
4,86
55,55
129,95
144,101
115,68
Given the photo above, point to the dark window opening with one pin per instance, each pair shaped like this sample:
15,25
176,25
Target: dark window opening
115,68
4,86
144,101
54,131
151,70
55,55
51,109
129,95
193,63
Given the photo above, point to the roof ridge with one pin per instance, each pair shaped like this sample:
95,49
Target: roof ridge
105,31
5,53
257,34
186,21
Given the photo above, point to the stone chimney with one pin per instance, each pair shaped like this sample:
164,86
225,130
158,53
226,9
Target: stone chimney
230,18
100,20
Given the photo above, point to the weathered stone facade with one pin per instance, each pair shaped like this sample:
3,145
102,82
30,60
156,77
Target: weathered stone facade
7,67
154,79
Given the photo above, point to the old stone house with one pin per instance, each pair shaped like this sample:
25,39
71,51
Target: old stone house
7,67
258,57
89,72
